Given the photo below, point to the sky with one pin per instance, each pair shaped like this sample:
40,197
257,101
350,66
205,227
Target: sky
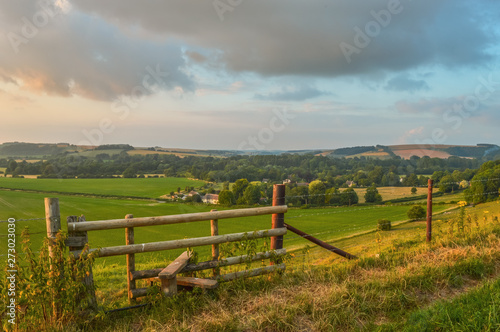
250,74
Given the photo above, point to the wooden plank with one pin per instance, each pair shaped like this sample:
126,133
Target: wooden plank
175,267
251,273
175,219
184,243
197,282
145,274
233,260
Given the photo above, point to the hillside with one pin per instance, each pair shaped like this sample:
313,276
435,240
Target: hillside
30,151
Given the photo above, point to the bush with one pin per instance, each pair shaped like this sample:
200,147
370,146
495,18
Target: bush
383,225
417,212
50,298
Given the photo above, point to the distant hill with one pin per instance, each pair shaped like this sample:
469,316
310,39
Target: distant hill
21,150
406,151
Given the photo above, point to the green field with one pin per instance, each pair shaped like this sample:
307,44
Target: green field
325,223
139,187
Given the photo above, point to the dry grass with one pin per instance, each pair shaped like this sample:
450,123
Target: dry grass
389,193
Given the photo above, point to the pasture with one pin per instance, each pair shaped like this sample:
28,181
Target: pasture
326,223
138,187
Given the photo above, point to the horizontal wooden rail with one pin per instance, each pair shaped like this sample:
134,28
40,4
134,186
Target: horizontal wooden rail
173,219
184,243
145,274
251,273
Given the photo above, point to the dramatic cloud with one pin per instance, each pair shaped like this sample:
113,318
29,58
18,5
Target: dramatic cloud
292,37
76,54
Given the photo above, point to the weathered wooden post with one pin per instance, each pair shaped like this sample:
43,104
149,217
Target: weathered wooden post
76,241
129,239
214,231
53,223
278,219
429,210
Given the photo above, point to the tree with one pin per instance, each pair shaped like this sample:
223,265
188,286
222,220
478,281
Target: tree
413,191
251,195
196,198
348,197
372,195
239,187
332,196
299,196
317,192
129,173
447,184
383,225
416,212
178,189
226,197
411,180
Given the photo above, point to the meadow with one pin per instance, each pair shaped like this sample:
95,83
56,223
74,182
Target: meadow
393,286
138,187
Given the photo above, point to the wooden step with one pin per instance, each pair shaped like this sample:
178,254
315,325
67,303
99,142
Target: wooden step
175,267
197,282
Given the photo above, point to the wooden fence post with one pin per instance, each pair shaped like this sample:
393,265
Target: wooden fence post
278,219
53,223
129,239
214,231
429,210
88,280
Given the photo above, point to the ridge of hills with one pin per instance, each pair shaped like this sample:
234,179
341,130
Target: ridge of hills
37,151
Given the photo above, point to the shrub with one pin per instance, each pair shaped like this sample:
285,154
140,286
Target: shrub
49,298
383,225
417,212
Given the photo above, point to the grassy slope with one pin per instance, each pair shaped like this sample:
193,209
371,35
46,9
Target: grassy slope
396,276
146,187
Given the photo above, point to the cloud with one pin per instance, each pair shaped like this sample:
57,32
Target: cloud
292,37
292,93
77,54
404,83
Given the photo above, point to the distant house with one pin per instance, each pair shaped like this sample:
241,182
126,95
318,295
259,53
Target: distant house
350,183
211,199
287,181
192,193
302,184
265,180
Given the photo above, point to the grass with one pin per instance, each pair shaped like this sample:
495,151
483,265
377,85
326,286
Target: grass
399,283
145,187
477,310
389,193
